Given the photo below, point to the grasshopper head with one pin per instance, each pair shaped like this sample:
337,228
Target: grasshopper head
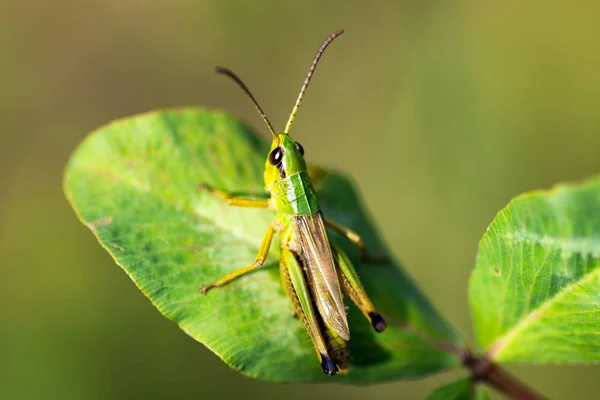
286,157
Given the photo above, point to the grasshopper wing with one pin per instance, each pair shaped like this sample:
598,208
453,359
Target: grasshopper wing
316,256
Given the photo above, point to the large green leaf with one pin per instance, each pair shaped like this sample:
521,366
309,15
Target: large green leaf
134,184
461,389
535,292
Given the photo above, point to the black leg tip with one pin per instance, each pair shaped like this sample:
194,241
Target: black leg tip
378,322
328,365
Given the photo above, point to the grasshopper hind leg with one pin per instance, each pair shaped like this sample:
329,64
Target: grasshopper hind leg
378,322
297,290
353,287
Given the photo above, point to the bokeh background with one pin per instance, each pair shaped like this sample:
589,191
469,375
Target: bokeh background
441,110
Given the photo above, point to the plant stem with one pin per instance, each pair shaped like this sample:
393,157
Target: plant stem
481,367
484,370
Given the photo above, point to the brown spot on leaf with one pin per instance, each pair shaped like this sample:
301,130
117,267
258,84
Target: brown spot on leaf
100,222
496,271
116,246
194,248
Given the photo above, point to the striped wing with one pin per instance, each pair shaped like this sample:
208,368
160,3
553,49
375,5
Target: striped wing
317,259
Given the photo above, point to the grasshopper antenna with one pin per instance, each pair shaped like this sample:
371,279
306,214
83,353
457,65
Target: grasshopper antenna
311,69
229,73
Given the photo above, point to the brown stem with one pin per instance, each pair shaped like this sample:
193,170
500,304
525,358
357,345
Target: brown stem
481,367
484,370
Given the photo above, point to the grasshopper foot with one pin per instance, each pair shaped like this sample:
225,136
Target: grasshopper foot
205,289
204,187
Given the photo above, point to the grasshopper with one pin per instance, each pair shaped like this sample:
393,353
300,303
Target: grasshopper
314,271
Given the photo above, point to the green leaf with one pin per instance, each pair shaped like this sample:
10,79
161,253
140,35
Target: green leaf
134,184
535,291
461,389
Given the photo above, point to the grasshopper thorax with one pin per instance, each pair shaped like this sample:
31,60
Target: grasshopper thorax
286,157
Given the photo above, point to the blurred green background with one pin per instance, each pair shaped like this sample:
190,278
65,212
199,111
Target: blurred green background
441,110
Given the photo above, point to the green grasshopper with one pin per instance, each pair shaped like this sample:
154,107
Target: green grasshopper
314,271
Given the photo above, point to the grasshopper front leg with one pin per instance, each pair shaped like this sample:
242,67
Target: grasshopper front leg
351,284
235,201
299,295
258,262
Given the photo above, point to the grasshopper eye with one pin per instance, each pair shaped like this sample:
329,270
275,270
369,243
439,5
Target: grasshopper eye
299,147
276,156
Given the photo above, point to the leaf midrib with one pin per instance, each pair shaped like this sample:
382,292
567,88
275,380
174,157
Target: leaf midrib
504,341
